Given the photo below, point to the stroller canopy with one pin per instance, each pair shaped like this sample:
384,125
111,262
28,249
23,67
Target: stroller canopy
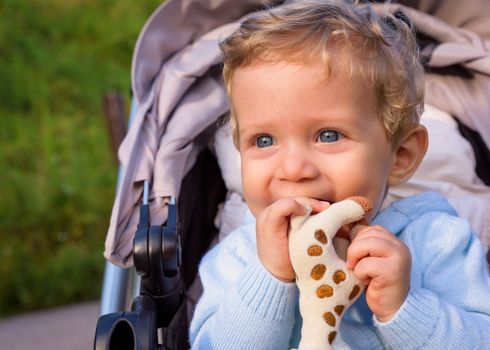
177,85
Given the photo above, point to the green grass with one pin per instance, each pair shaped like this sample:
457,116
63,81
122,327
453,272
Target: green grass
57,173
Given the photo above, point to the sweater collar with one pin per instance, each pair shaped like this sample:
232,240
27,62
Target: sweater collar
400,213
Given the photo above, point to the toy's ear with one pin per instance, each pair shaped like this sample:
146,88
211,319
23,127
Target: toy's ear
408,154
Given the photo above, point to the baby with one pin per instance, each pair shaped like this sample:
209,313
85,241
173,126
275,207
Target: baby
326,97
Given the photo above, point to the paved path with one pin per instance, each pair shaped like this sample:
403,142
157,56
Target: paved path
71,327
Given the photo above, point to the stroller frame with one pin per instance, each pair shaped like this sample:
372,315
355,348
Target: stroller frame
157,260
157,282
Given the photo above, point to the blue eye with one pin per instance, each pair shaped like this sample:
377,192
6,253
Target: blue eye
264,141
329,136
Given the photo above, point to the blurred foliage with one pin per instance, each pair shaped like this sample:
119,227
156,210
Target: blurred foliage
57,173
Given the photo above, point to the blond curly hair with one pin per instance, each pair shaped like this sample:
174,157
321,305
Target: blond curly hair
379,47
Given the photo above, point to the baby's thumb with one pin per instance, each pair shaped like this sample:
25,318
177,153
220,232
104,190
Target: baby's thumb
356,229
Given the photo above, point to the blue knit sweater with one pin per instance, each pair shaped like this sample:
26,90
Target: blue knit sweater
448,307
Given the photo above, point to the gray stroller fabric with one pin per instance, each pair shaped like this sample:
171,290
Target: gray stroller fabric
173,26
180,95
466,99
163,142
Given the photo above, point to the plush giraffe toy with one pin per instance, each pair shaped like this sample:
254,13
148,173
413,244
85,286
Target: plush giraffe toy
327,288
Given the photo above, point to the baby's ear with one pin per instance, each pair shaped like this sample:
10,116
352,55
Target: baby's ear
408,155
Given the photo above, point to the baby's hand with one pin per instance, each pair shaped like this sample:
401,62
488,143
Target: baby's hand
383,262
272,233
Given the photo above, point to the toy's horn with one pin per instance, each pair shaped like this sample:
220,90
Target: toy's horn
365,203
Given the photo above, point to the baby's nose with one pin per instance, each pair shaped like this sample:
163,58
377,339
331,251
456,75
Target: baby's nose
297,166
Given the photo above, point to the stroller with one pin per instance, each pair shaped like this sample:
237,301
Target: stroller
179,188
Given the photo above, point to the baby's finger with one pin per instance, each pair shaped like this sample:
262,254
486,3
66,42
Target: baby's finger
319,205
282,209
315,205
368,246
356,230
362,231
369,268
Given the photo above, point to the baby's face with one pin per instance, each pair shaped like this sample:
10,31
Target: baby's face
304,135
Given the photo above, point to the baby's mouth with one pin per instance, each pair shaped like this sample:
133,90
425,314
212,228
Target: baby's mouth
324,200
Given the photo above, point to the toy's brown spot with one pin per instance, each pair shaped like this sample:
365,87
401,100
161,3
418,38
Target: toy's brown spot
314,250
329,318
354,292
339,309
339,276
318,271
324,291
331,337
321,236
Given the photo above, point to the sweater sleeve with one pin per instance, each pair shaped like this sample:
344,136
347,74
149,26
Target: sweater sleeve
243,306
448,306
